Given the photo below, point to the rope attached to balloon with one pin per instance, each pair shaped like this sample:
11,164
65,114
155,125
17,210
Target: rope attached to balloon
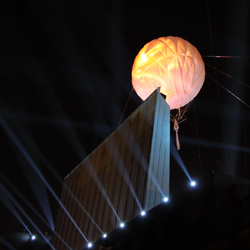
176,128
177,116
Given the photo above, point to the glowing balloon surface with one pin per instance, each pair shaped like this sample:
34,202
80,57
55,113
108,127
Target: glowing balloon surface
174,65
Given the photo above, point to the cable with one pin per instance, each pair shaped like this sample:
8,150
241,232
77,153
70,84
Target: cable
218,162
246,57
229,91
125,106
197,134
243,92
218,91
228,75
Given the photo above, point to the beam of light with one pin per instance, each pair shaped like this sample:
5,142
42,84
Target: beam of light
140,157
178,159
76,144
213,144
55,196
100,186
13,200
36,183
152,177
104,236
48,165
70,192
31,162
89,245
74,140
40,193
31,207
122,169
81,206
23,198
6,201
143,213
122,225
7,244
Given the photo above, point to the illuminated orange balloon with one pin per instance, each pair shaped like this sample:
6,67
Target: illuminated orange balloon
174,65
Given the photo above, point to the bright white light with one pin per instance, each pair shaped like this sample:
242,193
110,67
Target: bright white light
33,237
144,57
122,225
89,245
143,213
165,199
104,236
193,183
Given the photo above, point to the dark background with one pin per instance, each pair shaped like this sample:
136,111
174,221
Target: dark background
65,78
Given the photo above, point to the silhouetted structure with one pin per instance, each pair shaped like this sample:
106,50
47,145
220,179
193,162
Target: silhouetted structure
127,173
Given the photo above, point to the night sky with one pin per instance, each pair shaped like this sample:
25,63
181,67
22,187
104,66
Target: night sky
66,78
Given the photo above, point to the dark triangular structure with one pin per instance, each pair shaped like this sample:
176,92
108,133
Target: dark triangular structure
125,174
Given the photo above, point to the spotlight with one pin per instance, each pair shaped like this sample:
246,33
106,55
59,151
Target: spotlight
143,213
165,199
193,183
33,237
122,225
89,245
104,236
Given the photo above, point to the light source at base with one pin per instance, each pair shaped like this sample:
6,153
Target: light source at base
143,213
165,199
122,225
193,183
33,237
89,245
104,235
